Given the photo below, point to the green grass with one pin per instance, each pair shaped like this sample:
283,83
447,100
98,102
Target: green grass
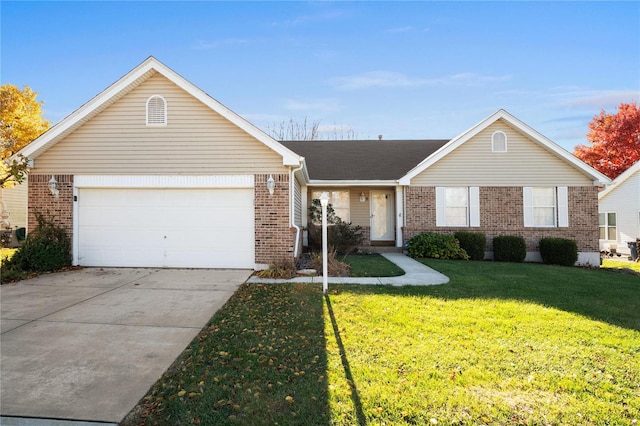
614,264
372,265
500,344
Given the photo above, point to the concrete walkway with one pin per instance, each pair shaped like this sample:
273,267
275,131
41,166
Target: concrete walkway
415,274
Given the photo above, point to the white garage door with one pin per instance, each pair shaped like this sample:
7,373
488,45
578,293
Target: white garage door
188,228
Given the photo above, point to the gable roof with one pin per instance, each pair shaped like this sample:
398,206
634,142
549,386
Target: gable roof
537,137
362,160
635,168
126,84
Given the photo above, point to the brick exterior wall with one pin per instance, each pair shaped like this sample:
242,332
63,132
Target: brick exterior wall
501,213
59,209
275,238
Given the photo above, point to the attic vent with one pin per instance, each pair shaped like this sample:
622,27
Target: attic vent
156,111
499,142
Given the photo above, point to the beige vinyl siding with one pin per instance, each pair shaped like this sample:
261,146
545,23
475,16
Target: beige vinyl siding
297,202
196,140
15,200
360,212
524,163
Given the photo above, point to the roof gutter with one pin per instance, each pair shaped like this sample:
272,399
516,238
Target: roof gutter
342,183
292,198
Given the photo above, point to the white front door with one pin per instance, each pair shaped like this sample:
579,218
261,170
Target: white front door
382,215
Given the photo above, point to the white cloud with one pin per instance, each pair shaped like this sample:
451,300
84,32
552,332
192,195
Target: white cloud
396,79
605,99
397,30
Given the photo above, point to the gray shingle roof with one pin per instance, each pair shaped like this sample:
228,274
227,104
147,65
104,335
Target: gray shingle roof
362,159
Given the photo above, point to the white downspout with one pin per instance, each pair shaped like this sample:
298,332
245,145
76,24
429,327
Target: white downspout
292,194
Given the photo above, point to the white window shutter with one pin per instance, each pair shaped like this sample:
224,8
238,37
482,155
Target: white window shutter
527,198
441,208
563,207
474,206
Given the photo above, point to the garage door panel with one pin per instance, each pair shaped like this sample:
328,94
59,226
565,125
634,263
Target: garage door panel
205,228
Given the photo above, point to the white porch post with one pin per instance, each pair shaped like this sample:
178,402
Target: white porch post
324,201
305,214
399,214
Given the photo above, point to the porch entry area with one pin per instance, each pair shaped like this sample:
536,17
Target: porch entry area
373,209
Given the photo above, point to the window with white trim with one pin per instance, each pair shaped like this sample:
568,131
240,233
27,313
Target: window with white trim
457,206
608,226
156,111
499,141
339,200
546,207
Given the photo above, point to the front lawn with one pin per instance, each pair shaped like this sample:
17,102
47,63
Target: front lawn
372,265
500,344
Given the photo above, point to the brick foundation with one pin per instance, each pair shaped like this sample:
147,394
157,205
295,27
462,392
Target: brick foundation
501,213
275,239
58,209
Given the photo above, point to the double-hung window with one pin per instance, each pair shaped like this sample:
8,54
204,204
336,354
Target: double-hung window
457,206
339,200
608,227
546,207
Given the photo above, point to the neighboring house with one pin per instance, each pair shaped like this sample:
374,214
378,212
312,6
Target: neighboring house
13,212
153,172
619,211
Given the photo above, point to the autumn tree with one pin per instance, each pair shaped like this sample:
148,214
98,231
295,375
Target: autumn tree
614,139
21,121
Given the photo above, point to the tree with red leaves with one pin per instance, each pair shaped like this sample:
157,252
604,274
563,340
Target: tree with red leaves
615,141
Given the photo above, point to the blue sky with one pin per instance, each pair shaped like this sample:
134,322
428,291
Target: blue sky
401,69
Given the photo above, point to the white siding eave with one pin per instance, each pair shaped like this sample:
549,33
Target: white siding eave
161,181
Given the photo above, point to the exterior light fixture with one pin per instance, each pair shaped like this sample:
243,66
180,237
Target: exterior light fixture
53,186
324,202
271,184
363,197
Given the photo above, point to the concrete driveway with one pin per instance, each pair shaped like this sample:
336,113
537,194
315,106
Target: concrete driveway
88,344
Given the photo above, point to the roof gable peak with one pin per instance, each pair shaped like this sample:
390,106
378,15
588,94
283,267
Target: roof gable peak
147,68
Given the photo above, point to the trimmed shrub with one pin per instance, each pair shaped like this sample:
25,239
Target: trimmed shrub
559,251
284,268
509,248
474,243
335,266
47,248
437,246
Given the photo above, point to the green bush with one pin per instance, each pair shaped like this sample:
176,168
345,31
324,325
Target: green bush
437,246
509,248
474,243
559,251
47,248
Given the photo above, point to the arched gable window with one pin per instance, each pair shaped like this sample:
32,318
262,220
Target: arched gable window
156,111
499,142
